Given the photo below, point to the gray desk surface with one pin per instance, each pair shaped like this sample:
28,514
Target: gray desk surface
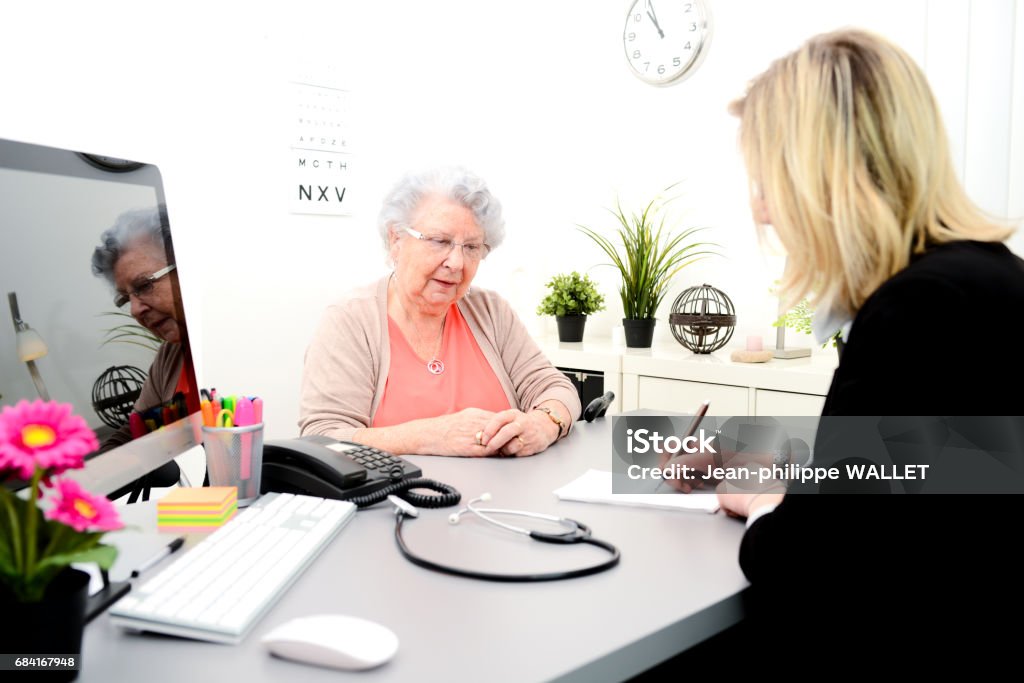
678,583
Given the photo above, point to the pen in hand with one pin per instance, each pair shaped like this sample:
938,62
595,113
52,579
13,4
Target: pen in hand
153,561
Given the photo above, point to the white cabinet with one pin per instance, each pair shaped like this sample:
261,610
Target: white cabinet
600,357
680,396
671,378
786,403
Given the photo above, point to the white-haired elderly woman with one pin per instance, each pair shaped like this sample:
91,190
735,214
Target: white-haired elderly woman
133,259
421,363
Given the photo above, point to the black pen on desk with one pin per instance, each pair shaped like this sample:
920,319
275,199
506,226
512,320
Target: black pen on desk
153,561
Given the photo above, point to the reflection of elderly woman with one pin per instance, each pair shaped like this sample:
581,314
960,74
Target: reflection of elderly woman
133,259
418,362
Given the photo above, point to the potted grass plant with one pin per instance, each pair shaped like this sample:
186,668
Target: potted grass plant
572,298
130,332
648,255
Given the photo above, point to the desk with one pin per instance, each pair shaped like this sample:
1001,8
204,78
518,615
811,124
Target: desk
677,584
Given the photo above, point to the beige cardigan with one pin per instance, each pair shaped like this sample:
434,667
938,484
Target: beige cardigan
347,362
158,388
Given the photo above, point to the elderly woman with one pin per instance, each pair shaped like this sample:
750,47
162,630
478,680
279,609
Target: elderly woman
849,164
421,363
133,259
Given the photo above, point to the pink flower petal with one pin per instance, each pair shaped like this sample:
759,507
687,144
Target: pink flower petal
81,510
72,438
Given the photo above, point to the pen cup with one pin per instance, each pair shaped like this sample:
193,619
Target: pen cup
234,457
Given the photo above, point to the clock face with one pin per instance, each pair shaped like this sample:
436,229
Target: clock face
666,40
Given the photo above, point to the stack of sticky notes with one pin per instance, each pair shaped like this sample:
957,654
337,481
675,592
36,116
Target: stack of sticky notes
196,509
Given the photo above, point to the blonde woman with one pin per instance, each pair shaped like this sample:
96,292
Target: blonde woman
849,163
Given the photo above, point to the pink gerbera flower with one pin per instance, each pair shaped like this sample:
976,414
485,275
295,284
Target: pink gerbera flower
44,434
81,510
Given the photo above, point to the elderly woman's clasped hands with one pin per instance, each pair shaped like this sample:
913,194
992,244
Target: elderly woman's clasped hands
477,432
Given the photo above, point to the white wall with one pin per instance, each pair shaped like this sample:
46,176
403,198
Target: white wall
534,95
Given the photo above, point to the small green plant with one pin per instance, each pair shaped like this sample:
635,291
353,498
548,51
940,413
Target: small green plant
130,333
649,257
571,294
799,318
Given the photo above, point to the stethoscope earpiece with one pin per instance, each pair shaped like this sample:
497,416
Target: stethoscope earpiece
403,507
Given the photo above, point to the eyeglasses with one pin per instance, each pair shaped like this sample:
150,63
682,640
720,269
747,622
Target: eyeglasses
471,251
142,288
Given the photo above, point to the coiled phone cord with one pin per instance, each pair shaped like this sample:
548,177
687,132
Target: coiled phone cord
447,497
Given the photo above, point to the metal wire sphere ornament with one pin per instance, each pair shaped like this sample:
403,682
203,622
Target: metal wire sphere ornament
703,319
115,392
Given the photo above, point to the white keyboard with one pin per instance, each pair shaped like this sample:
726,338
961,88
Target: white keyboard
218,590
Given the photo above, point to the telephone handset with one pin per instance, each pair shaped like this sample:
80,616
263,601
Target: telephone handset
321,466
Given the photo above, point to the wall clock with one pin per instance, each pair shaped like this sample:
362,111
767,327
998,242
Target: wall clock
666,40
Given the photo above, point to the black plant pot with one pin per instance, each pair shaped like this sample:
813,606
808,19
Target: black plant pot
53,626
639,333
570,327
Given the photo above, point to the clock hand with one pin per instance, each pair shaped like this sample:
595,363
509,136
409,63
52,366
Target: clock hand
652,14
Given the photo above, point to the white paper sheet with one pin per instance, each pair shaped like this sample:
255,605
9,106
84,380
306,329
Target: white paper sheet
595,486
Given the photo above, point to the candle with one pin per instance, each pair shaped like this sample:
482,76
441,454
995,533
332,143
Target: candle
754,343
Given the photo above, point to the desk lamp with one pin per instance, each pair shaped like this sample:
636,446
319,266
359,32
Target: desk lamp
31,346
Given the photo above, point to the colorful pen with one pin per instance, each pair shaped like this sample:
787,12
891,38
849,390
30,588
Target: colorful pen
137,426
206,408
243,418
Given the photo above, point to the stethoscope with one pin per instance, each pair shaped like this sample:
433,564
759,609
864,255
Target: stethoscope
575,532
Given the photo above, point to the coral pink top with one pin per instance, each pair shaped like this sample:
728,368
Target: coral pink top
412,392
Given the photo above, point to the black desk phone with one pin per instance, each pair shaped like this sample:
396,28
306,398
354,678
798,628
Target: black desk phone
321,466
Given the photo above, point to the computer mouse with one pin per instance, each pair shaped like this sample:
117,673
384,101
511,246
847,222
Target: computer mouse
333,640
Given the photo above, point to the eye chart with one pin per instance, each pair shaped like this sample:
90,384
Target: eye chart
321,154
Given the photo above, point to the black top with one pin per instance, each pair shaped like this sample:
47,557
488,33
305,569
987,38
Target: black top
849,575
941,337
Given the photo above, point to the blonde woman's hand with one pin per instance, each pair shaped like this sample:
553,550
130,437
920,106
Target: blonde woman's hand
744,504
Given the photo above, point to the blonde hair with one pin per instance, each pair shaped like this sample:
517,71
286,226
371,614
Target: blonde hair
844,141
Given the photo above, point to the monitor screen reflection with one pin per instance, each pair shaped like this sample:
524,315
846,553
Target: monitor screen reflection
88,272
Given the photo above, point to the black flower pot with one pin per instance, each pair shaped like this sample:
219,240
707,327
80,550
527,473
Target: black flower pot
570,327
639,333
53,626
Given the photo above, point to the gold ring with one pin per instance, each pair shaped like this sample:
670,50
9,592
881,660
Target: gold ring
480,438
522,444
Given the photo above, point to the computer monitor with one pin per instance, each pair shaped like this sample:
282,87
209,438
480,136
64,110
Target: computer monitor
64,337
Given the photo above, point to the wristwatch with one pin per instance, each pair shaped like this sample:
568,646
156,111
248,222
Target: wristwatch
554,418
